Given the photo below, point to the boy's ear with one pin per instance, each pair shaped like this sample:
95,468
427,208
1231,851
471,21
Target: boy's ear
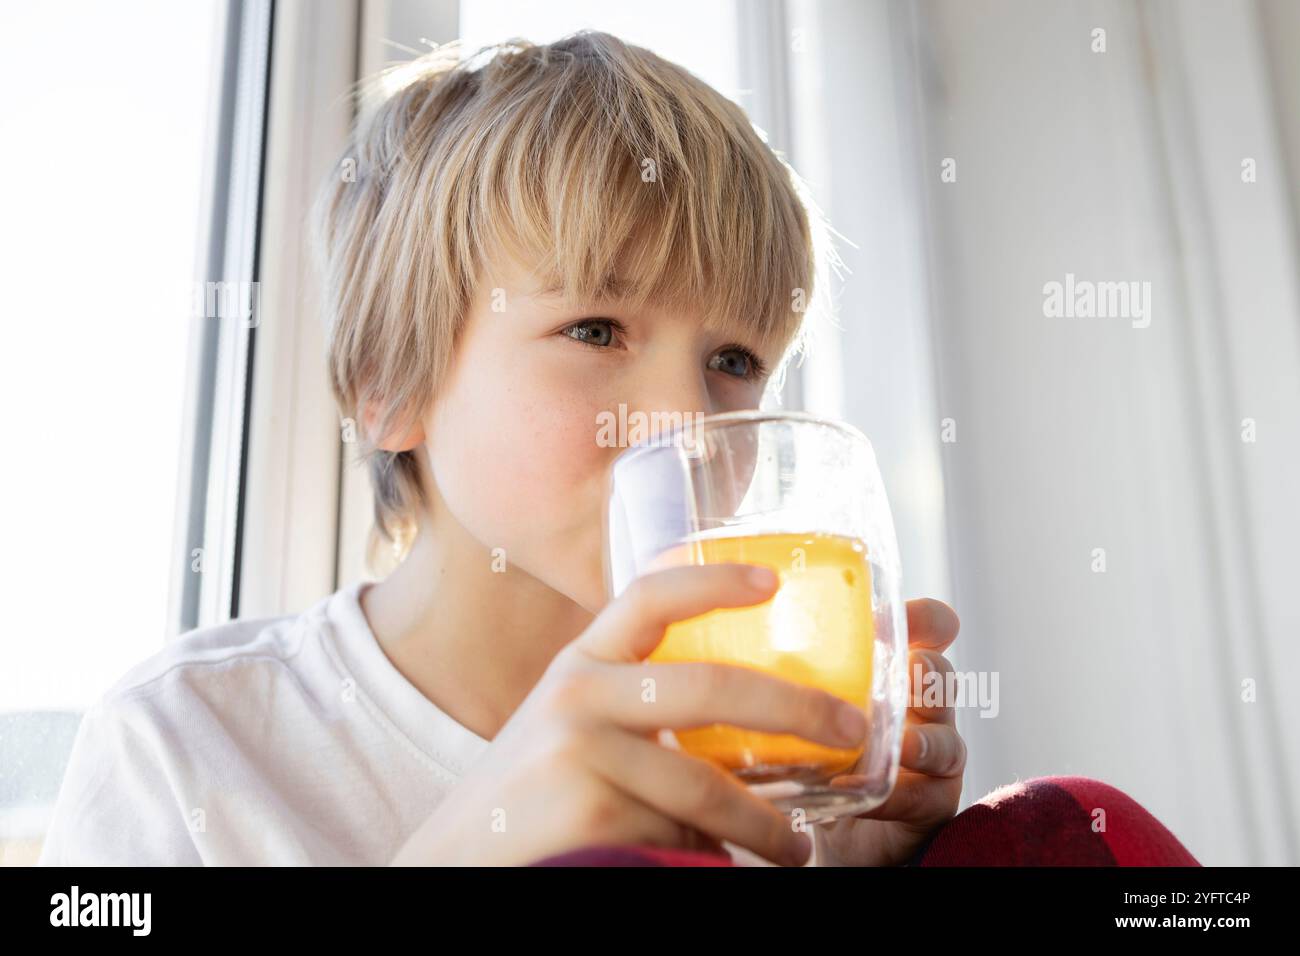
413,437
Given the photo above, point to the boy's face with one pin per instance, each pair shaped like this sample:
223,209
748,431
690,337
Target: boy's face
513,439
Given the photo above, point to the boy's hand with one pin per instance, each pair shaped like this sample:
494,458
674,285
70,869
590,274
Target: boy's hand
578,763
933,761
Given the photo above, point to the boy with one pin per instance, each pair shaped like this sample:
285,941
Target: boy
523,246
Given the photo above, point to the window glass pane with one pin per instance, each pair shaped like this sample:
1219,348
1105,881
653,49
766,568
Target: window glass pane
104,127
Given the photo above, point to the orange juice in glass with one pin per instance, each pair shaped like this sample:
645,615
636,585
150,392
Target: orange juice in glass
802,496
816,630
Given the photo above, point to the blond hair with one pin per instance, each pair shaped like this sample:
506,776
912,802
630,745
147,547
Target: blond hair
615,170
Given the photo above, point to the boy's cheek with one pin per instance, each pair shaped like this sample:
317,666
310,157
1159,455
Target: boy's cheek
526,471
547,439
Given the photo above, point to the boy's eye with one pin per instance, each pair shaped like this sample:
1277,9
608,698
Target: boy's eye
597,332
734,360
738,361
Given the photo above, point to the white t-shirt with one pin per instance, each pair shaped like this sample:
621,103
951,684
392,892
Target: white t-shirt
276,741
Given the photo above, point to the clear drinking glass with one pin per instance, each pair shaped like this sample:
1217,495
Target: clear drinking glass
803,496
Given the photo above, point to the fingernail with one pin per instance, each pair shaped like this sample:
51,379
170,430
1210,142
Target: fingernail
922,745
853,724
762,577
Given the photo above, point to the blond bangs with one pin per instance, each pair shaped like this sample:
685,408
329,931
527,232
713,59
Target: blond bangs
674,199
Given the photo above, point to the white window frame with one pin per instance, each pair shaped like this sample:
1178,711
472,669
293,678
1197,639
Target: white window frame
289,526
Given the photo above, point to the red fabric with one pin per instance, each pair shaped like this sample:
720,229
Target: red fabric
1054,821
635,856
1044,821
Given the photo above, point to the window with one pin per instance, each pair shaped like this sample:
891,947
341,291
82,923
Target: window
106,137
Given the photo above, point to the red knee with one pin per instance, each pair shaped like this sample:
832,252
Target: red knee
1055,821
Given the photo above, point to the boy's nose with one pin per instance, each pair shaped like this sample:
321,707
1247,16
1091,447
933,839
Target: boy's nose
669,407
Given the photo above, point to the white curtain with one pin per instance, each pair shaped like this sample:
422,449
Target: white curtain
1114,512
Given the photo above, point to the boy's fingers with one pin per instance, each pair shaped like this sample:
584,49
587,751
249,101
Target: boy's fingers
694,694
634,623
934,749
696,792
931,624
622,819
930,690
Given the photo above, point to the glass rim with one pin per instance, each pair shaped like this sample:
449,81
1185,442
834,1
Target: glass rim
719,420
